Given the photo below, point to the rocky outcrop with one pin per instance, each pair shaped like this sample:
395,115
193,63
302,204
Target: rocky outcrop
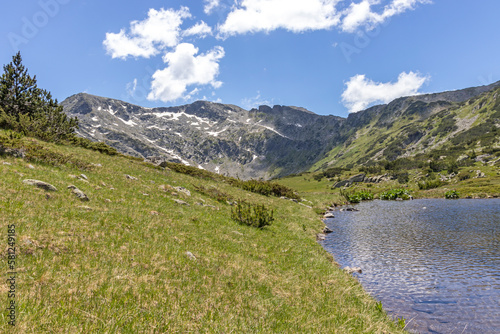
78,193
40,184
347,183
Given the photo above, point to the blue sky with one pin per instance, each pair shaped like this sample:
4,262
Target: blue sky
329,56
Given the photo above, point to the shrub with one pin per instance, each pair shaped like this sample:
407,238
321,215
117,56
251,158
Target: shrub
451,194
214,193
255,215
462,176
356,197
394,194
265,188
431,184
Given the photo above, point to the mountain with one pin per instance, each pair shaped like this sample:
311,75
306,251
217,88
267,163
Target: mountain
276,141
222,138
432,126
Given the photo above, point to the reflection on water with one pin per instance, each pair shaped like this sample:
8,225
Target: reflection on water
434,262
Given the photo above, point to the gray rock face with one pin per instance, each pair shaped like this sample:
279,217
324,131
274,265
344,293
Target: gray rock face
221,138
259,143
40,184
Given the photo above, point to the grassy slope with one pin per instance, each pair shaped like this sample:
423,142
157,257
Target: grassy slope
120,265
322,195
373,138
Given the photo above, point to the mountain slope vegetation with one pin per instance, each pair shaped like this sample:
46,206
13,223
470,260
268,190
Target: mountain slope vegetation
155,250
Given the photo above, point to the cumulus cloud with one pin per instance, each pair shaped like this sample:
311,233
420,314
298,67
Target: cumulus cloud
185,68
362,92
360,14
200,29
210,5
250,16
269,15
161,29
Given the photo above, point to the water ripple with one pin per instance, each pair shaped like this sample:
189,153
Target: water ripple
438,267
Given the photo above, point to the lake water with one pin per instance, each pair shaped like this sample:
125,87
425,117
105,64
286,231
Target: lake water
434,262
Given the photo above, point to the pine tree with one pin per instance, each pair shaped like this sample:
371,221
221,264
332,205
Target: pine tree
30,110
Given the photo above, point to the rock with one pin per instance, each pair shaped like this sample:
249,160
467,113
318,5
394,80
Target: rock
14,152
107,200
80,194
83,176
307,206
154,213
340,184
40,184
183,190
353,270
130,177
328,215
96,165
190,255
30,166
320,237
178,201
349,209
327,230
479,174
357,178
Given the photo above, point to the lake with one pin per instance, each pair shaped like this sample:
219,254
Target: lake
434,262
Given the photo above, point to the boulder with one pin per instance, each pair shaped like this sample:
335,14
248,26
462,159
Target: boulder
328,215
190,255
183,190
340,184
40,184
352,270
357,178
327,230
78,193
320,237
178,201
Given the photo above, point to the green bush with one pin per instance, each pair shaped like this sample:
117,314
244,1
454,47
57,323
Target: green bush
462,176
214,193
451,194
255,215
394,194
431,184
356,197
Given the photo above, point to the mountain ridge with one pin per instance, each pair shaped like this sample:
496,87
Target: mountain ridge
263,142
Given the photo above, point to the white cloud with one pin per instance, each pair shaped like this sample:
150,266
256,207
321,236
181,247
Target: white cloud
161,29
185,68
361,14
254,102
250,16
201,29
269,15
362,92
210,5
131,87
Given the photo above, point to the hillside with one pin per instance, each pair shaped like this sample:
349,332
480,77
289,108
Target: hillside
275,142
436,126
155,251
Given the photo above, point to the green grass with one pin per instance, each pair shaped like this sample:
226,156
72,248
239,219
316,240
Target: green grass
119,263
